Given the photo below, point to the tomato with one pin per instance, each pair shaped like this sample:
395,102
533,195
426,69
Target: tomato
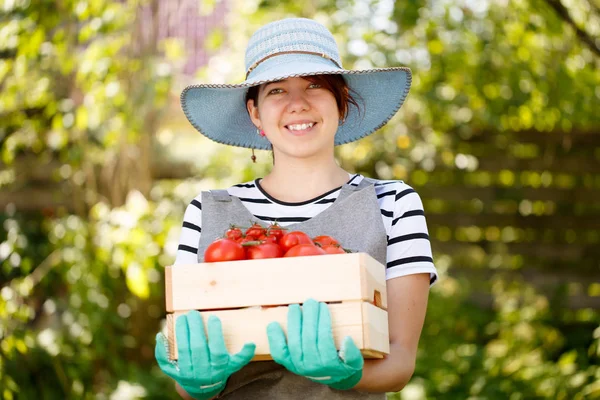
234,233
224,250
264,250
268,238
255,230
304,250
246,239
333,249
276,231
324,240
294,238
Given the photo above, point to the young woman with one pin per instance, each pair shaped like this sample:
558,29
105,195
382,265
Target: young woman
299,102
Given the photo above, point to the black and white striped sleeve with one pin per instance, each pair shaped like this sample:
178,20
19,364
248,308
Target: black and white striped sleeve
408,249
187,251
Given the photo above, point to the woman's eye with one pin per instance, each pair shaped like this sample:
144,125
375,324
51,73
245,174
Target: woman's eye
275,91
314,85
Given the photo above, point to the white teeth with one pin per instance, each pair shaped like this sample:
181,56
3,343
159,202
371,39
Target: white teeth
299,127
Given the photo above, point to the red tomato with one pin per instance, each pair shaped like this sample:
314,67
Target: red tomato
268,238
324,240
234,233
255,230
271,238
224,250
304,250
264,250
333,249
246,239
294,238
276,231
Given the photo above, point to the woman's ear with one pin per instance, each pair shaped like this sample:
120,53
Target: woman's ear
253,112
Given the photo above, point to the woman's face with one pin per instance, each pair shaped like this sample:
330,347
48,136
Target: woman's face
299,118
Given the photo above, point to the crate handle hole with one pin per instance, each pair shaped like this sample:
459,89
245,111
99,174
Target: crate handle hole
377,298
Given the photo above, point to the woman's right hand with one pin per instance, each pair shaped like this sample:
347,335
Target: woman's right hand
204,365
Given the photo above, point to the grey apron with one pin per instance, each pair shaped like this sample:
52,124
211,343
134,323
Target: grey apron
354,219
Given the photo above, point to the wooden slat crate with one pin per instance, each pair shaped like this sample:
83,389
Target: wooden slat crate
247,295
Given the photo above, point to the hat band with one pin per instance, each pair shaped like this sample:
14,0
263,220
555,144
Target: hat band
253,66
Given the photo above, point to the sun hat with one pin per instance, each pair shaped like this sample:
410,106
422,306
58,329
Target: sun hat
293,47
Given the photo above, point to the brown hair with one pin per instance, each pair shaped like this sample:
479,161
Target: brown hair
336,84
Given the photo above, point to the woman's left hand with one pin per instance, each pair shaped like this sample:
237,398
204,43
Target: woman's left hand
310,350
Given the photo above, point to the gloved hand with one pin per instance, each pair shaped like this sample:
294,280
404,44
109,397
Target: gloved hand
203,366
310,350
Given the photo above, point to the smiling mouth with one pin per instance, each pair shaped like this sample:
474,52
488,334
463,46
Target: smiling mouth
300,128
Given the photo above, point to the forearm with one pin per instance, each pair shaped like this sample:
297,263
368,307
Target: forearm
390,374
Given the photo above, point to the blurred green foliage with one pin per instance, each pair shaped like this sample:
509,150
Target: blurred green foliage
499,136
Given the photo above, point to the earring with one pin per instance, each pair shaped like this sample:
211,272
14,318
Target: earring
260,132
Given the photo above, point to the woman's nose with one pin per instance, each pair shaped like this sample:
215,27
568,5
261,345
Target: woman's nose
297,102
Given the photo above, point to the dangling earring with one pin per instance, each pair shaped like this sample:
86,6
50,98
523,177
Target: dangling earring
259,132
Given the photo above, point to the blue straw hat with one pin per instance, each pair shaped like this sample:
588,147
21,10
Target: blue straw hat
293,47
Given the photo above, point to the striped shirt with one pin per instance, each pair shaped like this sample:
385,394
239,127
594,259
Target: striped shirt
408,246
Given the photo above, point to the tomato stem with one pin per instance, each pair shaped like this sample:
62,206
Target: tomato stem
275,225
253,243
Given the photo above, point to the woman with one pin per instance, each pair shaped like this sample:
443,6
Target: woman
298,101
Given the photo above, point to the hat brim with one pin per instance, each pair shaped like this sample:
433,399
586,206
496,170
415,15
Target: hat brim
218,111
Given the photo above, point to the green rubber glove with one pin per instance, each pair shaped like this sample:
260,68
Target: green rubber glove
203,366
310,350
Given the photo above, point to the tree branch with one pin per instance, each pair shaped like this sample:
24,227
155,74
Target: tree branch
563,13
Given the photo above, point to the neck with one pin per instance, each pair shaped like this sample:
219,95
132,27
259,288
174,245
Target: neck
317,175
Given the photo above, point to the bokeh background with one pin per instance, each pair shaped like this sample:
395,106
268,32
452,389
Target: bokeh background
500,135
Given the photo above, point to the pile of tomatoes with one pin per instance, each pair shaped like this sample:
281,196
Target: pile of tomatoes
257,242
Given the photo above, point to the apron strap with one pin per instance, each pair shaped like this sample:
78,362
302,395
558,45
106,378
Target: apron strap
349,188
220,195
361,185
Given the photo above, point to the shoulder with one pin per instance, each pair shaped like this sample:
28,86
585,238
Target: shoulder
237,190
394,191
397,201
244,189
397,185
195,204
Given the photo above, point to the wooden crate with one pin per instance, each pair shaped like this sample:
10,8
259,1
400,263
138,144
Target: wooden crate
247,295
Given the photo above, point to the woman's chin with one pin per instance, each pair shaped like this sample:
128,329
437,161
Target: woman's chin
303,151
